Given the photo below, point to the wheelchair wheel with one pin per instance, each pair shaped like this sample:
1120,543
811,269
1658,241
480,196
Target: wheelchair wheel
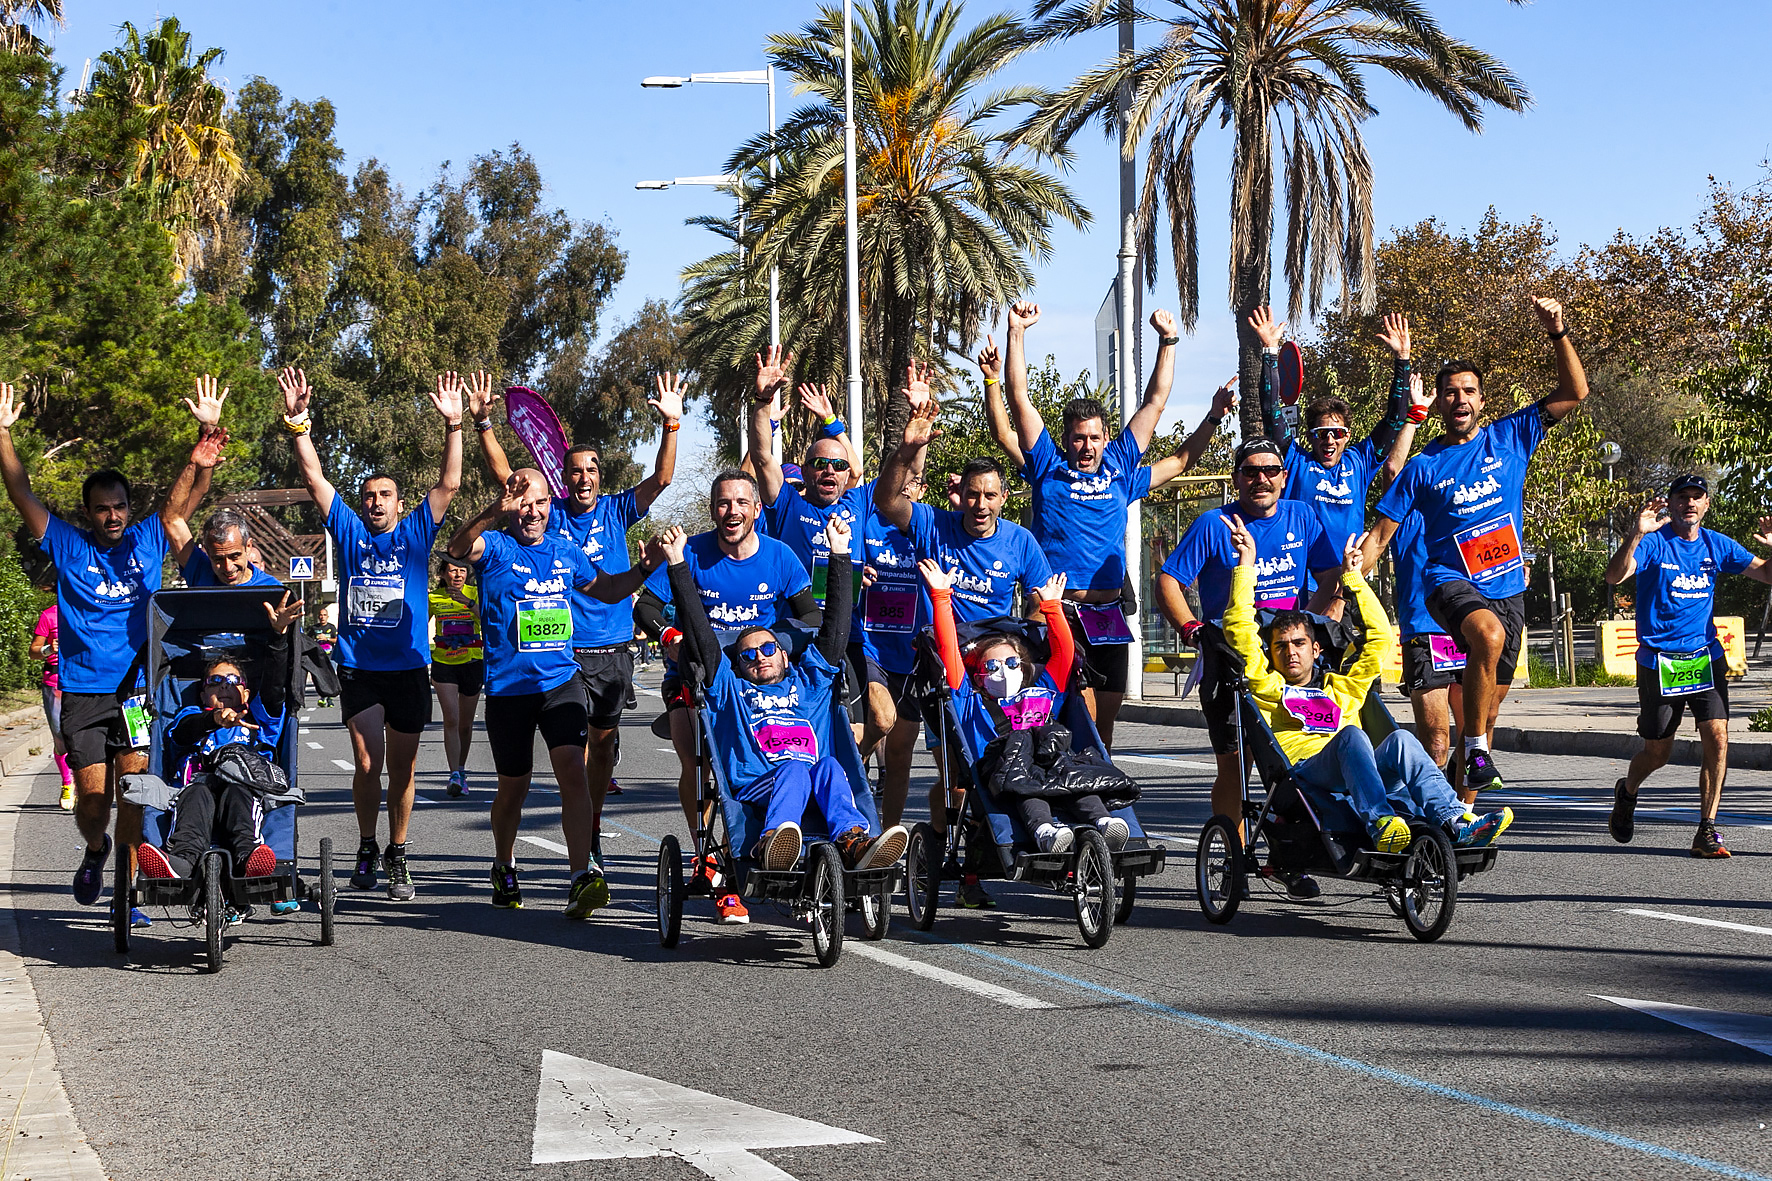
922,883
215,910
1393,898
1094,887
328,892
876,914
1128,895
824,893
122,887
1218,870
1430,883
670,891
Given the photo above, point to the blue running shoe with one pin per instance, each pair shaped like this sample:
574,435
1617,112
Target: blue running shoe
138,918
89,879
288,907
1481,832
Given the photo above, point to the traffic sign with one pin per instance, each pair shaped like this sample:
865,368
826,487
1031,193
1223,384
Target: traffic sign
301,569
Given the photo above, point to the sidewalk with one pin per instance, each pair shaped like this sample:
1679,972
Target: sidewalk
1597,722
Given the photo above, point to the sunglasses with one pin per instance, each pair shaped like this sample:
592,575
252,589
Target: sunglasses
996,666
824,461
1330,432
1262,471
225,679
760,652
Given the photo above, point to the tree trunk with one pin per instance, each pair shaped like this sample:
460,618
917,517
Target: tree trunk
901,344
1252,238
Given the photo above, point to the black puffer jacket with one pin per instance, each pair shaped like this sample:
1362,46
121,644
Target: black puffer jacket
1039,762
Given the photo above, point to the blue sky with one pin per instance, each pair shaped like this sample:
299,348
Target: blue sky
1635,105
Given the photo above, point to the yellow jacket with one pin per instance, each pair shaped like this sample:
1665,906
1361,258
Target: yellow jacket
1304,719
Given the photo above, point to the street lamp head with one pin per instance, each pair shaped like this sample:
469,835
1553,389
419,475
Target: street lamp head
652,184
663,82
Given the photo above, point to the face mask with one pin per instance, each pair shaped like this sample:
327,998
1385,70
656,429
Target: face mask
1002,678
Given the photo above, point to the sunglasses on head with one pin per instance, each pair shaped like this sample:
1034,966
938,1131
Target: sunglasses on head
761,651
225,679
823,461
1265,471
996,665
1330,432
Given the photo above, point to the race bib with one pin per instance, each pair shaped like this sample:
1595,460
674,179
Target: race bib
458,630
1274,603
788,738
377,600
1104,623
1315,710
821,578
1029,708
1684,673
1491,549
891,609
1444,653
543,625
135,720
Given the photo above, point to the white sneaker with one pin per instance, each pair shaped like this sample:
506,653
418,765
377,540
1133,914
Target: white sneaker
780,849
1117,832
1056,838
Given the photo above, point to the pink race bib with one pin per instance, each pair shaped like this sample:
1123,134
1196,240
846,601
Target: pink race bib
1029,708
891,609
1103,623
1315,710
789,739
1444,653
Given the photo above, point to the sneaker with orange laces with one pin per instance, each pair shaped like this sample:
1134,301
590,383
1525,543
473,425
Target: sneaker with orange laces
731,911
1708,842
705,868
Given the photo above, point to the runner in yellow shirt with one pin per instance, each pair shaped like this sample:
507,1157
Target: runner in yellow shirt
458,664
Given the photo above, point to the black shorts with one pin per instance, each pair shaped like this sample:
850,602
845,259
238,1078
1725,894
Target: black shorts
1451,603
1658,717
606,674
405,696
1419,673
92,728
1217,696
1108,662
511,723
862,670
468,676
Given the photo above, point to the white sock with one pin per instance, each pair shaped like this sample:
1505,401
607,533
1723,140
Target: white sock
1479,742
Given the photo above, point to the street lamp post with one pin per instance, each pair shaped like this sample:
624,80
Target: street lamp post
851,248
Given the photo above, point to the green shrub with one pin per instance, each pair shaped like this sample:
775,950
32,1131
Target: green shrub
1542,674
1761,722
19,608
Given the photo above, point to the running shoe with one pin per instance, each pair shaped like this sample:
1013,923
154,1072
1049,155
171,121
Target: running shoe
1480,773
1055,838
779,848
1622,824
731,911
1301,886
89,879
363,877
505,891
971,895
1117,832
236,917
138,918
614,788
1393,834
1483,831
1708,842
286,906
400,888
153,864
590,891
707,869
458,785
260,863
67,797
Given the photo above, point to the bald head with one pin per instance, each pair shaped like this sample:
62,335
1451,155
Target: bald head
527,502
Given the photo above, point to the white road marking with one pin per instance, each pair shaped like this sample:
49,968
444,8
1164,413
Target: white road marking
1694,919
314,745
1744,1029
544,843
305,730
588,1111
1165,761
1164,836
995,992
342,765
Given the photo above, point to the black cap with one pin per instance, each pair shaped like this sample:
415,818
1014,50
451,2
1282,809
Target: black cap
1691,480
1257,446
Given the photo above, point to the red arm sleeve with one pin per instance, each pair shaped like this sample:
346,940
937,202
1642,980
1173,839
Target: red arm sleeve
1059,639
947,640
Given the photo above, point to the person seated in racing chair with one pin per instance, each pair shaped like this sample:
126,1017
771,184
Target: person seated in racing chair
1315,715
213,809
772,716
1008,706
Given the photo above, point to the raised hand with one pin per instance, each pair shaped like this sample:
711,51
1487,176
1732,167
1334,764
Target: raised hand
447,397
1764,536
817,399
1550,314
1163,322
916,389
227,715
208,406
1418,394
1652,517
10,407
869,576
1350,553
1271,331
837,534
1053,590
284,614
990,361
296,391
515,489
1023,315
207,452
1240,540
919,430
772,372
669,400
934,576
482,395
1225,399
1395,336
674,541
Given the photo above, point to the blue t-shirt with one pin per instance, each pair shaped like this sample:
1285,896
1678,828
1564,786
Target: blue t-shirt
1079,518
262,739
736,591
199,573
1408,560
103,595
602,536
526,594
385,608
893,610
1337,494
984,569
799,524
1471,498
1035,705
1289,546
757,727
1677,589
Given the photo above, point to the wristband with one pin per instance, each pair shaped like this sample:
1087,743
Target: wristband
1273,352
1418,414
297,424
1169,340
1558,335
485,424
1213,420
670,635
990,381
1190,633
456,425
672,427
828,420
833,427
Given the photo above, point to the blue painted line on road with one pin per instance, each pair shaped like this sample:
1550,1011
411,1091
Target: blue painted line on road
633,832
1355,1065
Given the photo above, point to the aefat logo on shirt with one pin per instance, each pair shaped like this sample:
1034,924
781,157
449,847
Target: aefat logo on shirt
768,699
1285,563
1469,493
123,588
979,585
887,555
732,612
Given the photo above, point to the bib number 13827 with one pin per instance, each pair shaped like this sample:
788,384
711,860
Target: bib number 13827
543,625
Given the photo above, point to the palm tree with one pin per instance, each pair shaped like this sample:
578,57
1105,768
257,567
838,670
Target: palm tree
1289,78
949,212
16,19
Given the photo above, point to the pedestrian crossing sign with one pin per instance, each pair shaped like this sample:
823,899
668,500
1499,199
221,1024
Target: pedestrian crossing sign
301,568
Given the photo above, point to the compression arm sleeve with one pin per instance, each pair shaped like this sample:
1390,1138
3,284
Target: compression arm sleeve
1272,420
649,614
1396,410
189,731
947,640
692,618
839,595
274,683
804,606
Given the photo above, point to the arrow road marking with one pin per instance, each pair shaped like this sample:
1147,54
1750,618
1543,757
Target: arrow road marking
588,1111
1744,1029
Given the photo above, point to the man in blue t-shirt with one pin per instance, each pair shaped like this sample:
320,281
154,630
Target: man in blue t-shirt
104,576
1469,486
383,649
1433,663
602,633
1680,662
1290,546
226,557
527,577
1081,496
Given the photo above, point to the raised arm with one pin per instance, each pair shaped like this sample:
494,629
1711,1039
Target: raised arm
192,485
447,398
296,394
467,543
692,618
1156,392
1571,388
1058,631
772,377
669,404
1375,542
1395,337
273,684
18,484
610,587
482,396
1272,334
1028,424
996,413
947,637
1624,561
906,459
1760,570
839,593
1404,438
1171,466
817,399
